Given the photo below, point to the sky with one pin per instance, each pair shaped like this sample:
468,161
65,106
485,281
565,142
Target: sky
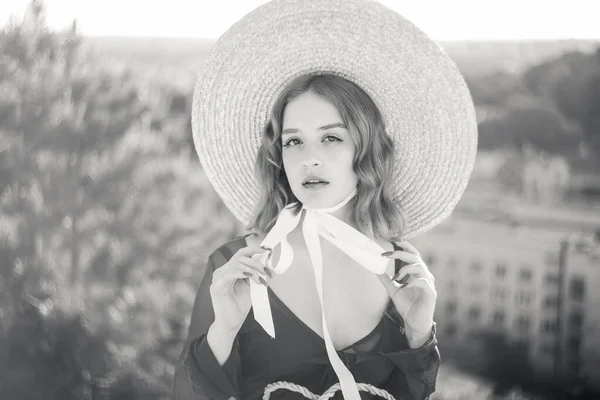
440,19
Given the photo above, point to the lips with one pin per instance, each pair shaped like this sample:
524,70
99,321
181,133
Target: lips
313,180
315,183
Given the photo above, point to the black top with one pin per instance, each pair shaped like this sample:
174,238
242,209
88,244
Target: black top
297,354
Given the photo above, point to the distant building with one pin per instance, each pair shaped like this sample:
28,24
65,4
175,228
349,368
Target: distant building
545,179
504,278
538,177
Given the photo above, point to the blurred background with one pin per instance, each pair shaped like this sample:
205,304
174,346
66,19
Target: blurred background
106,218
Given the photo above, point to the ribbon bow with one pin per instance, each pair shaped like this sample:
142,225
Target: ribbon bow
317,223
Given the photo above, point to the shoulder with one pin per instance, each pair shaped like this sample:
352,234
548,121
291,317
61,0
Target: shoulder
225,251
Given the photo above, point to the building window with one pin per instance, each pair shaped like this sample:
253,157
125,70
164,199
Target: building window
476,288
523,323
474,313
523,298
574,343
549,326
525,274
547,348
476,266
500,270
551,279
577,289
451,329
451,308
499,293
576,319
551,301
498,317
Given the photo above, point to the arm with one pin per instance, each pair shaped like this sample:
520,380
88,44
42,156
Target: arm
416,368
207,368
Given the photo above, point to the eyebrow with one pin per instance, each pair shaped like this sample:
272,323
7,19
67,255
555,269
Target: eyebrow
323,128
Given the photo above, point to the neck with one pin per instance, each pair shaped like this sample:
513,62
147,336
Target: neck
342,210
344,214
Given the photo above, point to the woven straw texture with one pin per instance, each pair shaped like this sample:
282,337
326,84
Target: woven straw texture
424,99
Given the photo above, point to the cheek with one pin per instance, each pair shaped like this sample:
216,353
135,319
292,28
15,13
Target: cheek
344,157
290,163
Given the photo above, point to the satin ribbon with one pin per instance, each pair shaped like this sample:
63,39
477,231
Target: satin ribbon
317,223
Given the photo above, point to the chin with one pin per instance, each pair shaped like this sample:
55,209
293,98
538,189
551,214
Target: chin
318,201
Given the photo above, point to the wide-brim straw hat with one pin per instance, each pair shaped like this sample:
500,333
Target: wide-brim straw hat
426,105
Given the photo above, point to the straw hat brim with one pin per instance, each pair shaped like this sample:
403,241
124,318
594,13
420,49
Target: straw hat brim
427,108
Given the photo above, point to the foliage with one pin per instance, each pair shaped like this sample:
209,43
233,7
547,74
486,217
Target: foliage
554,106
104,228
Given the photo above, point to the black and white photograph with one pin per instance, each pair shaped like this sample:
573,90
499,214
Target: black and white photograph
299,199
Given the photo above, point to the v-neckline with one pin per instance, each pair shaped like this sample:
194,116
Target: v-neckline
312,331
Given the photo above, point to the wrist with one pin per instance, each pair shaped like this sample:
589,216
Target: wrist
418,339
220,342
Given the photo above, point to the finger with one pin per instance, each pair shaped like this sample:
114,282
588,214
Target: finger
263,271
388,284
421,269
403,255
409,247
424,284
223,285
239,271
250,251
410,269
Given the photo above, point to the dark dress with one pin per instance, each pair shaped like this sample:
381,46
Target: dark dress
297,354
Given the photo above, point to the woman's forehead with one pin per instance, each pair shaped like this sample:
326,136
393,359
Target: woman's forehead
313,112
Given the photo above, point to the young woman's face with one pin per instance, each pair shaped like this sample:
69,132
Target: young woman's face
316,142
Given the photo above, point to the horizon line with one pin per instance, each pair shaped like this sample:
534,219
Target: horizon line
210,39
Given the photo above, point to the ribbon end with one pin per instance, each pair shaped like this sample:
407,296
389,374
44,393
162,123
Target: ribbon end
261,307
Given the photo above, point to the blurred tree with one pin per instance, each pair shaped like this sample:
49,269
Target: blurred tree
495,89
572,82
98,219
531,122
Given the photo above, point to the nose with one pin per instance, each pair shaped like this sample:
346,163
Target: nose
312,156
311,161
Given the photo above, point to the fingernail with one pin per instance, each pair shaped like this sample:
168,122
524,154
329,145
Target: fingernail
387,253
260,278
268,272
403,280
266,248
247,274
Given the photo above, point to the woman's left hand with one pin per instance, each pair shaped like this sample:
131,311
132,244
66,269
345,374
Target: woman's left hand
415,300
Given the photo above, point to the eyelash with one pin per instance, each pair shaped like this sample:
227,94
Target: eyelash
287,144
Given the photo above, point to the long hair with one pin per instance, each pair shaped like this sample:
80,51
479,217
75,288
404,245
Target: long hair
374,213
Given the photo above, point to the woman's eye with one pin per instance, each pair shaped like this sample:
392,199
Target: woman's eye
332,137
287,144
328,138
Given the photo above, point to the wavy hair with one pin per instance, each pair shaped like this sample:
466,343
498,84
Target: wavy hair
374,213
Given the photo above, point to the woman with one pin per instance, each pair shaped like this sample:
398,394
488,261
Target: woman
350,160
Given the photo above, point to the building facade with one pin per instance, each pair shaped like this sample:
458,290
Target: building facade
507,278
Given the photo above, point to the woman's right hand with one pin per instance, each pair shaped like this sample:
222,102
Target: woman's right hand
230,288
